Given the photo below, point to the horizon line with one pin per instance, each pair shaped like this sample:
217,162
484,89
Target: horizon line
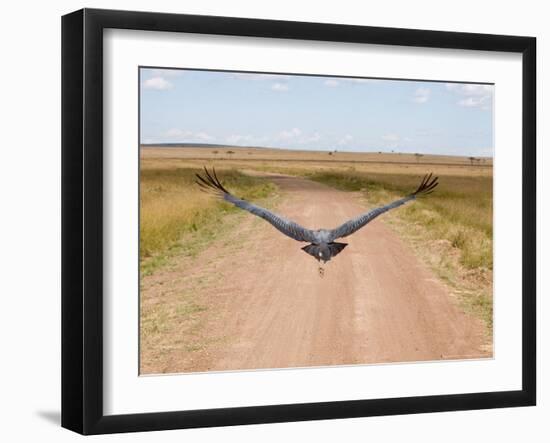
220,145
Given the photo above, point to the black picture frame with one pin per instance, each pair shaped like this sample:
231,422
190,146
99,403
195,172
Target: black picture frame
82,218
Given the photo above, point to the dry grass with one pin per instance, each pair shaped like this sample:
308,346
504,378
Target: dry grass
176,217
452,229
460,210
269,155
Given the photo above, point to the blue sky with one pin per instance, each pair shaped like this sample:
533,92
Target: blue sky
316,112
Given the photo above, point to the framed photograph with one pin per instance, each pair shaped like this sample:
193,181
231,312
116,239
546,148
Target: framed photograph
269,221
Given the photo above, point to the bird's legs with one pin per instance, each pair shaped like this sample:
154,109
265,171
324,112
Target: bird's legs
321,270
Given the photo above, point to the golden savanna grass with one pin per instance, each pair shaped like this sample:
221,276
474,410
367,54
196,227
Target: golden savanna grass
282,156
460,210
176,217
451,229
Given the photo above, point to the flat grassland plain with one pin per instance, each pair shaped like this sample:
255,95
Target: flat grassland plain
221,289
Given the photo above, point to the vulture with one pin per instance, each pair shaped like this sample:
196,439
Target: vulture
322,244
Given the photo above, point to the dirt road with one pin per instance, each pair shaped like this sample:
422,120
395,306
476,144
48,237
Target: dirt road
259,301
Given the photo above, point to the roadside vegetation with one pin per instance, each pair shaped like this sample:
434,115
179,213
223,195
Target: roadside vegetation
451,229
177,218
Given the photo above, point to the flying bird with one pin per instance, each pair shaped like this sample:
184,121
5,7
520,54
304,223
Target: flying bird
322,243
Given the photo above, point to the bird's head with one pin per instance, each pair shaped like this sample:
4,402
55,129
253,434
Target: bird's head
323,252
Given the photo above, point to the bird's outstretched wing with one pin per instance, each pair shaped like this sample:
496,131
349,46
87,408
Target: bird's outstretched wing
211,183
426,187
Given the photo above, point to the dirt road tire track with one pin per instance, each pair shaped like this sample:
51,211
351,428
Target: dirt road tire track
267,307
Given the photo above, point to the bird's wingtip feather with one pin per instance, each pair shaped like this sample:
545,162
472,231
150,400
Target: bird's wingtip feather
427,185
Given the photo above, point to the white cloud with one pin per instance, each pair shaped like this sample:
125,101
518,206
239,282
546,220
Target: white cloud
473,95
345,140
470,88
280,87
313,138
290,134
204,137
235,139
391,141
295,137
422,95
176,132
391,137
476,102
247,139
188,136
159,83
331,83
428,132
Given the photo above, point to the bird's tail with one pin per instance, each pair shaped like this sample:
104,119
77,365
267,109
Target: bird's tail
334,247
